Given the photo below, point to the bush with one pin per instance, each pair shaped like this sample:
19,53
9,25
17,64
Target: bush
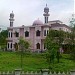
68,48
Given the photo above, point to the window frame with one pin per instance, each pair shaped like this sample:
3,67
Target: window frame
44,32
27,35
38,33
16,34
38,46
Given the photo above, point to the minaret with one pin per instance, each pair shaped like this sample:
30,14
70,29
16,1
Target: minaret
46,14
11,19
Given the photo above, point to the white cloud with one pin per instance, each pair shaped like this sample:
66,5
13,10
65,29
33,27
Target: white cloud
26,11
74,6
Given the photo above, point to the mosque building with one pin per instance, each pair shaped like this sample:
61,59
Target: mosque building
35,34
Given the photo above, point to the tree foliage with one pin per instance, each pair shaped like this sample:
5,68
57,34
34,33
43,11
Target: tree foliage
53,42
3,36
72,24
23,44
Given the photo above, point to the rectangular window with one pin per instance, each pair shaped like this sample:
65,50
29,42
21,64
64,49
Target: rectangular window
45,19
44,32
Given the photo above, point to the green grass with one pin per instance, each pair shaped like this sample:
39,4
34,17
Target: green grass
12,60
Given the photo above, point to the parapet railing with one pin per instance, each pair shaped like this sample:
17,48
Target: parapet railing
42,72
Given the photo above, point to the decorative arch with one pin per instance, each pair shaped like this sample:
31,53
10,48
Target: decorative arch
37,33
11,45
16,34
16,46
38,46
26,34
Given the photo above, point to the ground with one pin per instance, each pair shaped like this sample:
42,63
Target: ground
35,62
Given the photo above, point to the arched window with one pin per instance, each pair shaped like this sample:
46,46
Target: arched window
8,45
47,32
8,34
44,32
37,33
16,46
44,46
11,34
16,34
26,34
11,46
45,19
38,46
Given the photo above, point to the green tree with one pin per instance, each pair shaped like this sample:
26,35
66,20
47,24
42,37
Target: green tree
23,44
23,47
3,36
53,42
50,45
72,37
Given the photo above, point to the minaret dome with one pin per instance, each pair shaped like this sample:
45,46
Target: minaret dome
11,19
12,14
46,9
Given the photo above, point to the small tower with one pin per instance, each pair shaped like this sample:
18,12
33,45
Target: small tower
11,19
46,14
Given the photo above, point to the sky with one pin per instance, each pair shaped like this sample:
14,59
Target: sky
27,11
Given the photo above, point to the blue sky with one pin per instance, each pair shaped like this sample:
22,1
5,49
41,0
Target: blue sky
26,11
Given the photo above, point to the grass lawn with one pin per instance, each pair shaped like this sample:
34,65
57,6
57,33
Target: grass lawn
12,60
